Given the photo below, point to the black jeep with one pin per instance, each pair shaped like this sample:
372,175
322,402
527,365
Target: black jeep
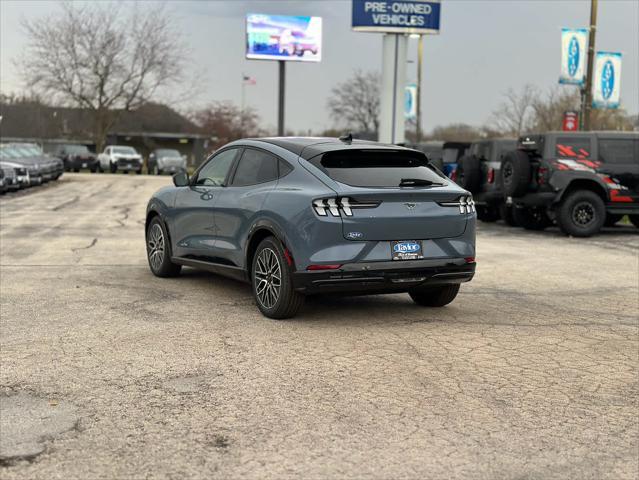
478,172
581,180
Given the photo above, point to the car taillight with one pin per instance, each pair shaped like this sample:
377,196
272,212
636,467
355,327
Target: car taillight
466,204
470,259
542,173
335,206
453,175
491,175
313,268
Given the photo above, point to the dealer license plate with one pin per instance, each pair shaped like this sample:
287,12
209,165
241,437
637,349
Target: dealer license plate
407,250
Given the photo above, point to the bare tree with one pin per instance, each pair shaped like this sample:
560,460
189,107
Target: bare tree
516,112
355,102
550,109
226,122
95,57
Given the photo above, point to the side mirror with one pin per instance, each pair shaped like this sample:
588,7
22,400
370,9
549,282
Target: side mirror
181,179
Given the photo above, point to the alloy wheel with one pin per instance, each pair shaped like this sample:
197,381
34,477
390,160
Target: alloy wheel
507,174
155,244
583,214
267,278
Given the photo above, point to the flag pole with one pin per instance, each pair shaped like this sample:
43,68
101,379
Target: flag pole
242,105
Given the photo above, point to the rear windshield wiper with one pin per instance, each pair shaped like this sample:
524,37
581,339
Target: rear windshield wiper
416,182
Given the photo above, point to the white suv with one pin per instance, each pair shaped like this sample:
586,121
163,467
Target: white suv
120,157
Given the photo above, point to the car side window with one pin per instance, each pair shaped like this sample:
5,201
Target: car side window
285,168
216,169
255,167
573,147
617,150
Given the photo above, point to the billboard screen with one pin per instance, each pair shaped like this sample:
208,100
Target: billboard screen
282,37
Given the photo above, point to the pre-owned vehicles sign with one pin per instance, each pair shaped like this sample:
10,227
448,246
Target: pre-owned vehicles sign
396,16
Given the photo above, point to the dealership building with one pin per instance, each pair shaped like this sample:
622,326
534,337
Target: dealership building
147,128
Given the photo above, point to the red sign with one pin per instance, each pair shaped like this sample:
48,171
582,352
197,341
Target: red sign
571,121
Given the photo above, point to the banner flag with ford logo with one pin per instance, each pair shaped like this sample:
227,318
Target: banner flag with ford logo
574,51
606,82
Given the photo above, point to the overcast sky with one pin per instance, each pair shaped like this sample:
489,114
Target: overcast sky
484,48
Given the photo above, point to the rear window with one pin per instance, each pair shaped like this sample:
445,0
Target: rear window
451,155
617,150
504,147
375,168
573,147
255,167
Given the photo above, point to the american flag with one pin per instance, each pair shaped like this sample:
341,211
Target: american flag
248,80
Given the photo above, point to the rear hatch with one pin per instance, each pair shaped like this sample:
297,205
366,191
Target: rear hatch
392,195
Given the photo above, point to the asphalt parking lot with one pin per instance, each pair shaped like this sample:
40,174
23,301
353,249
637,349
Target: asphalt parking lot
109,372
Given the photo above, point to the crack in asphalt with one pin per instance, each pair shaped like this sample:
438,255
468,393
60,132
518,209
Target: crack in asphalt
93,242
66,204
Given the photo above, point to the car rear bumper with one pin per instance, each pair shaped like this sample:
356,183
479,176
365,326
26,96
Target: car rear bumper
384,277
78,163
127,165
534,199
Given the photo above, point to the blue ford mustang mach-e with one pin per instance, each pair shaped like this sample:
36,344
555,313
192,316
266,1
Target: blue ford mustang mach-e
298,216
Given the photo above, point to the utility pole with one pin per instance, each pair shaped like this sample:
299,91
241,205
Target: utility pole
418,113
586,96
281,94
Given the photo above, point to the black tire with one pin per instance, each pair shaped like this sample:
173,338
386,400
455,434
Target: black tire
514,173
76,170
468,174
487,213
160,267
113,167
611,219
506,214
581,213
138,172
269,259
634,219
93,169
434,296
534,218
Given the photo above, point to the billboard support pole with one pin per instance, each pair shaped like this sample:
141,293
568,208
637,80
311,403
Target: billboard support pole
418,112
391,124
280,107
586,93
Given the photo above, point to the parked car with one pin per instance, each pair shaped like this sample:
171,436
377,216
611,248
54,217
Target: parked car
31,172
20,173
298,216
478,172
50,168
444,155
120,158
8,177
164,160
581,180
75,157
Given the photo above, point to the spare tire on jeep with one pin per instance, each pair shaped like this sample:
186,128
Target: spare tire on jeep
468,175
515,173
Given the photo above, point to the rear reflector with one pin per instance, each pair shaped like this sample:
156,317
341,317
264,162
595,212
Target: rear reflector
491,175
323,267
470,259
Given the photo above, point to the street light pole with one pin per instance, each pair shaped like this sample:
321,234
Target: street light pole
586,106
418,99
